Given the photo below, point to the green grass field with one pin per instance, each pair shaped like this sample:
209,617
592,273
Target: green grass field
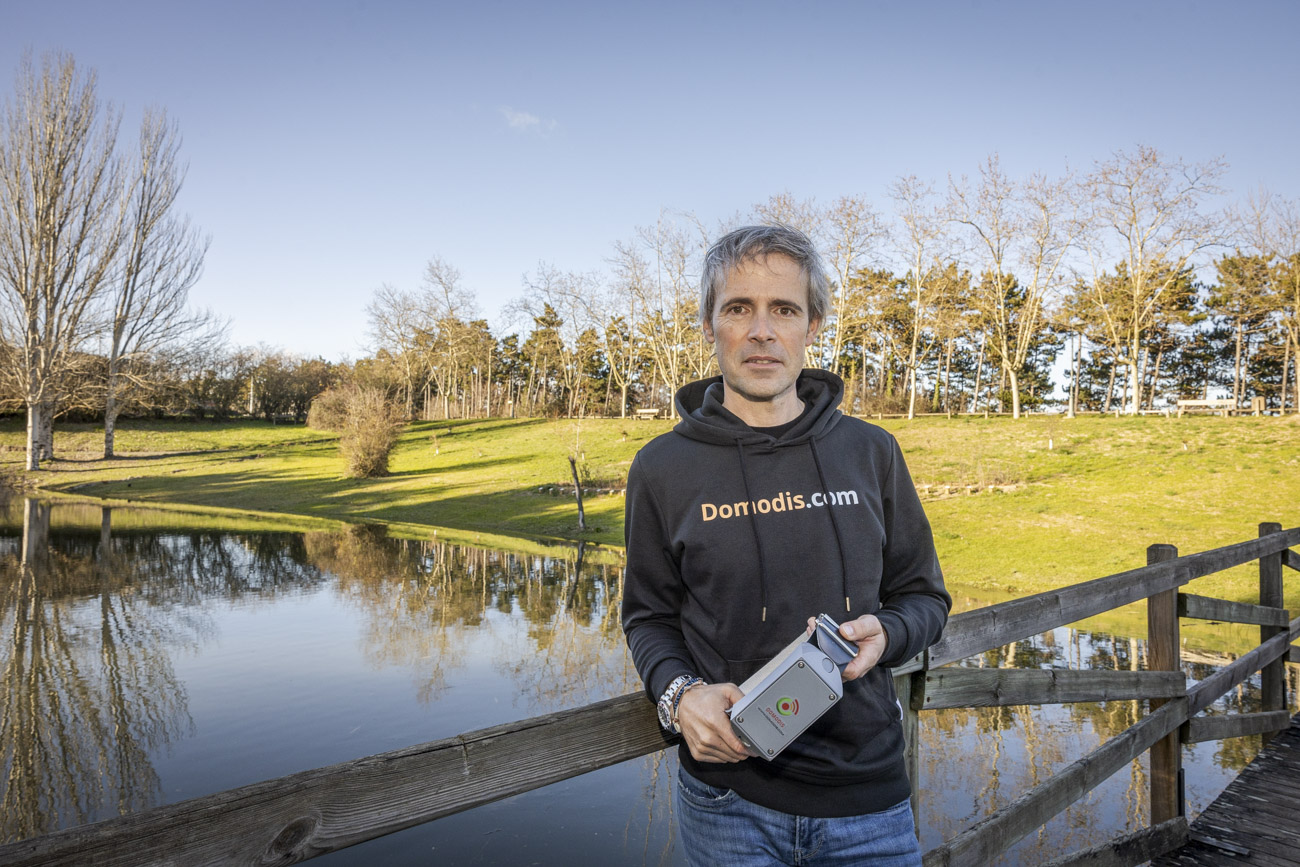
1017,506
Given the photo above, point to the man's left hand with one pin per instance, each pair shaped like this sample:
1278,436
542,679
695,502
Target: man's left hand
867,633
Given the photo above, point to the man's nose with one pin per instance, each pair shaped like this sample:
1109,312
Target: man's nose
760,328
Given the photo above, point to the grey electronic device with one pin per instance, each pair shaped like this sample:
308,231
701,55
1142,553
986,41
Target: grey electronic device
793,690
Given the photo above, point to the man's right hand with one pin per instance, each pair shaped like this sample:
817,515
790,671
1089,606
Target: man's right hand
702,714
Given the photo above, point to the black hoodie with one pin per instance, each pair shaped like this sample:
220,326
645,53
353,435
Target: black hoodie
735,538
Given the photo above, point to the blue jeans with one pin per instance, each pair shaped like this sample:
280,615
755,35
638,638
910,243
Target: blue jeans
719,827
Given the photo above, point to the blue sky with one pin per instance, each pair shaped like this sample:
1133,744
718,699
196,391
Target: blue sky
334,146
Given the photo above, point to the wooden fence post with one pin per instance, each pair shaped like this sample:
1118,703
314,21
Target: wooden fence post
911,693
1163,655
1273,675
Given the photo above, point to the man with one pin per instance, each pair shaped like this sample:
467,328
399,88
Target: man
762,508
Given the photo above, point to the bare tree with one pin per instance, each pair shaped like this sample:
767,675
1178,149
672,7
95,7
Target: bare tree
452,351
851,233
671,323
568,295
397,323
920,247
786,210
1030,225
622,343
60,229
163,259
1147,215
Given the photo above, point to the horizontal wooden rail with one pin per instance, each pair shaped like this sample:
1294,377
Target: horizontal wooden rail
1234,725
293,818
1292,559
1129,849
985,840
1000,687
1207,691
986,628
1206,608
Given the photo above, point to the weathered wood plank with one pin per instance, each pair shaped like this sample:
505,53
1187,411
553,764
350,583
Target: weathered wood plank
1254,820
1163,655
1259,807
1129,850
976,631
985,840
1235,725
1000,687
1293,655
1272,676
287,820
1204,693
1208,608
907,687
916,663
1291,558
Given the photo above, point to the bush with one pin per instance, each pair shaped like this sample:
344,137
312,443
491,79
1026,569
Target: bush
367,431
329,409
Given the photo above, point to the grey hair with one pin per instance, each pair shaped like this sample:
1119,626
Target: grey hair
750,243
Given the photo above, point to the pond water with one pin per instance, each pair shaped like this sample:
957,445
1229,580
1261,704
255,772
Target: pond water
150,657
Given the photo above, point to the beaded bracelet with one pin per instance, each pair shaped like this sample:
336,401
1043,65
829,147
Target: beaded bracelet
677,699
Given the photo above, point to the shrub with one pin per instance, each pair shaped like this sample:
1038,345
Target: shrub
367,431
329,409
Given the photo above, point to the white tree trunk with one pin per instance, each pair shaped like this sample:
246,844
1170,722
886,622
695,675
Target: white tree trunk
1015,392
33,436
111,410
1134,377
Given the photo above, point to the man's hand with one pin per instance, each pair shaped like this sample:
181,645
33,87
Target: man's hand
867,633
706,727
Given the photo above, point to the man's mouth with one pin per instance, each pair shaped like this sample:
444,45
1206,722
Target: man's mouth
761,360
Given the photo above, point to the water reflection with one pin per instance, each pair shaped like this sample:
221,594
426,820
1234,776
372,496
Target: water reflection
425,600
130,679
976,761
88,686
95,621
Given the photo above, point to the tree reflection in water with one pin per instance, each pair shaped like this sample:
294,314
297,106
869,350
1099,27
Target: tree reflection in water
978,760
88,685
427,599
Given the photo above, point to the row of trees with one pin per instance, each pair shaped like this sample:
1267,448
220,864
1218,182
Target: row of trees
958,300
219,382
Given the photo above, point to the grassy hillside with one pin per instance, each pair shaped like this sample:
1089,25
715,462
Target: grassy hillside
1017,506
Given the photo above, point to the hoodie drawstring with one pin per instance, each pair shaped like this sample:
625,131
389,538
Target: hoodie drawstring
758,537
835,527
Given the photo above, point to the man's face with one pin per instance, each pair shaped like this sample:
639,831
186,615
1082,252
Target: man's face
760,328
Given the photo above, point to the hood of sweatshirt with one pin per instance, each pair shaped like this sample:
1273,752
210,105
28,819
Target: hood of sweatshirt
704,418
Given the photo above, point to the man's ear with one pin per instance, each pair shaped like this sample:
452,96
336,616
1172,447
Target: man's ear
707,327
814,325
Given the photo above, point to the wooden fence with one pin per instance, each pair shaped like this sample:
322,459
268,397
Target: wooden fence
293,818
